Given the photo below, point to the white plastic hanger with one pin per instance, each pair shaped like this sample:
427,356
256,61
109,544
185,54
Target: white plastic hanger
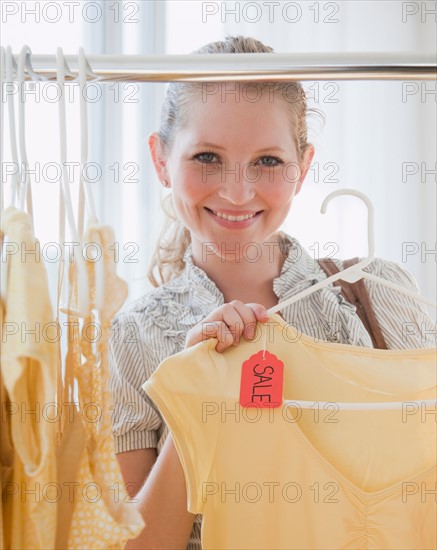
20,187
351,275
355,272
10,67
84,70
83,287
25,190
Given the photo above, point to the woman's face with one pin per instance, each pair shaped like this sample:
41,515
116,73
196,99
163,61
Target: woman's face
234,168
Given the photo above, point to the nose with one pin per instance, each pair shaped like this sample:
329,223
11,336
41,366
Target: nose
237,185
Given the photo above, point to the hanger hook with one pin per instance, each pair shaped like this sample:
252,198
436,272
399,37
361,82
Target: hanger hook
351,274
84,66
25,50
65,71
370,216
11,61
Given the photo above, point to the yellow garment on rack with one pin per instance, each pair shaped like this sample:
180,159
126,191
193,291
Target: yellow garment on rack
28,359
71,433
292,477
104,516
6,451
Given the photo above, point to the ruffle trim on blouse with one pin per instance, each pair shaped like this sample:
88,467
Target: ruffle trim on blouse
163,306
166,306
197,276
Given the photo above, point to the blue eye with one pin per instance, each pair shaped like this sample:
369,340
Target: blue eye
207,154
276,160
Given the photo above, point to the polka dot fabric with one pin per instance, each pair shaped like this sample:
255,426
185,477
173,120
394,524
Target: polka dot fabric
104,516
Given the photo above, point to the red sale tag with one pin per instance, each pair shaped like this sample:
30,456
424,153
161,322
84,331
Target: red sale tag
261,381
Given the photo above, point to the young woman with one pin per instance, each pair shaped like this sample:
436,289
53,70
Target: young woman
234,155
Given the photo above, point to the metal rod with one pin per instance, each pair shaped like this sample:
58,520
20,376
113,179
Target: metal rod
244,67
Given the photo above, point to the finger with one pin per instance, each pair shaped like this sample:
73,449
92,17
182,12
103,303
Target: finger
227,323
260,311
258,314
234,314
248,321
224,336
210,329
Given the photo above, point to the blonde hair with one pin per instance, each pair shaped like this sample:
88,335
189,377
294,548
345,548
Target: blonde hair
174,237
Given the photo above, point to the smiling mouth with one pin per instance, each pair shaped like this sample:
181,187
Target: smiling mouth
231,218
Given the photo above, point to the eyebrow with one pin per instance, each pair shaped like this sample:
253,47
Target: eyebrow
214,146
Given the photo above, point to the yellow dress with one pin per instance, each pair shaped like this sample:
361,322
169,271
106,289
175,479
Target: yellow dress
71,432
28,360
305,475
104,516
61,483
6,453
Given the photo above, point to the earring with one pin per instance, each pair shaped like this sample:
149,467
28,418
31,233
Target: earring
165,183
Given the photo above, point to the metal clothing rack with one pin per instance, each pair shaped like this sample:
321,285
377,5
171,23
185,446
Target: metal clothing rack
241,67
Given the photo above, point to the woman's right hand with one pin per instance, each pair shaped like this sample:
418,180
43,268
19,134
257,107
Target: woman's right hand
227,323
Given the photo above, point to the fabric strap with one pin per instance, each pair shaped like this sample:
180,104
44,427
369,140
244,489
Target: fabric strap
357,295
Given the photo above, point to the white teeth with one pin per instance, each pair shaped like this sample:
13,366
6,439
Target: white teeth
234,218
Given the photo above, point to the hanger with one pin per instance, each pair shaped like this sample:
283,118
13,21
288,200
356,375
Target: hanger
83,287
25,191
20,189
351,275
355,272
84,71
11,67
85,191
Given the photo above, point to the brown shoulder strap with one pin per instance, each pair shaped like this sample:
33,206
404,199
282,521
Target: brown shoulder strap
357,295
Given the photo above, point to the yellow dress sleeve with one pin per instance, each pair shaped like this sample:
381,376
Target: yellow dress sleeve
186,388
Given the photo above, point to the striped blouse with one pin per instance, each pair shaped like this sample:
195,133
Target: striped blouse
150,329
